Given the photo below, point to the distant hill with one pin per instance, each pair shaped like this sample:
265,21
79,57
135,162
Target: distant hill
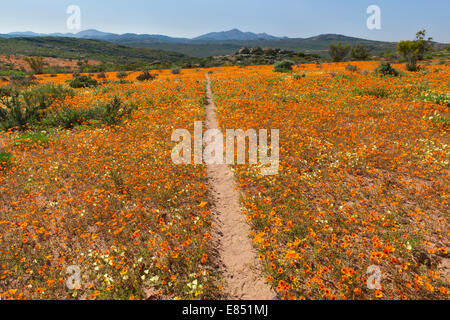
219,43
234,34
204,48
71,48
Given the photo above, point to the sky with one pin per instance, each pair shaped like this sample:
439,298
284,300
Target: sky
400,19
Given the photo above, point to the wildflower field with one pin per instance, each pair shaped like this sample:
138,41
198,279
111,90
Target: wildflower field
363,181
364,172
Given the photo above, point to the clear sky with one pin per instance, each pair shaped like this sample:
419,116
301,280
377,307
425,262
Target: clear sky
400,19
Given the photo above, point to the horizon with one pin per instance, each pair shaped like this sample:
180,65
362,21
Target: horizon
154,34
302,19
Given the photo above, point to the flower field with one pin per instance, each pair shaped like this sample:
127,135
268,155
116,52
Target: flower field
109,200
363,182
363,179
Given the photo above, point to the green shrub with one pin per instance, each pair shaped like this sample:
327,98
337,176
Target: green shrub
45,95
121,75
83,81
113,112
145,76
351,68
15,114
386,69
283,66
338,51
66,118
298,76
175,70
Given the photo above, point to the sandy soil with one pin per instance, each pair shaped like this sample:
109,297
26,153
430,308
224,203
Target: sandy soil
240,266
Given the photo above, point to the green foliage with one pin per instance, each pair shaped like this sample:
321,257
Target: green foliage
375,92
22,109
359,52
438,98
338,51
283,66
386,69
351,68
37,64
121,75
32,138
113,112
15,114
5,159
66,118
83,81
109,114
414,50
438,119
145,76
298,76
175,70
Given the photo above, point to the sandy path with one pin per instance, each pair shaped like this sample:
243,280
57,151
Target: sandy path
240,266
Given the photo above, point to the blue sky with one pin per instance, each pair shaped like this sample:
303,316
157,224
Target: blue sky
400,19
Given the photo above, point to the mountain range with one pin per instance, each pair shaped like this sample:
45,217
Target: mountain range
217,43
234,34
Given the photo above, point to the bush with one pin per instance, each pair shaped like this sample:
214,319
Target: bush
114,111
45,95
83,82
121,75
176,70
386,69
338,51
67,118
359,52
15,114
145,76
37,64
22,80
283,66
351,68
299,76
101,75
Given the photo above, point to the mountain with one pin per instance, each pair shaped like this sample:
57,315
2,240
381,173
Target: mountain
93,34
220,43
234,34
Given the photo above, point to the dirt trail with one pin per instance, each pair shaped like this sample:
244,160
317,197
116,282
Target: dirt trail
240,266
